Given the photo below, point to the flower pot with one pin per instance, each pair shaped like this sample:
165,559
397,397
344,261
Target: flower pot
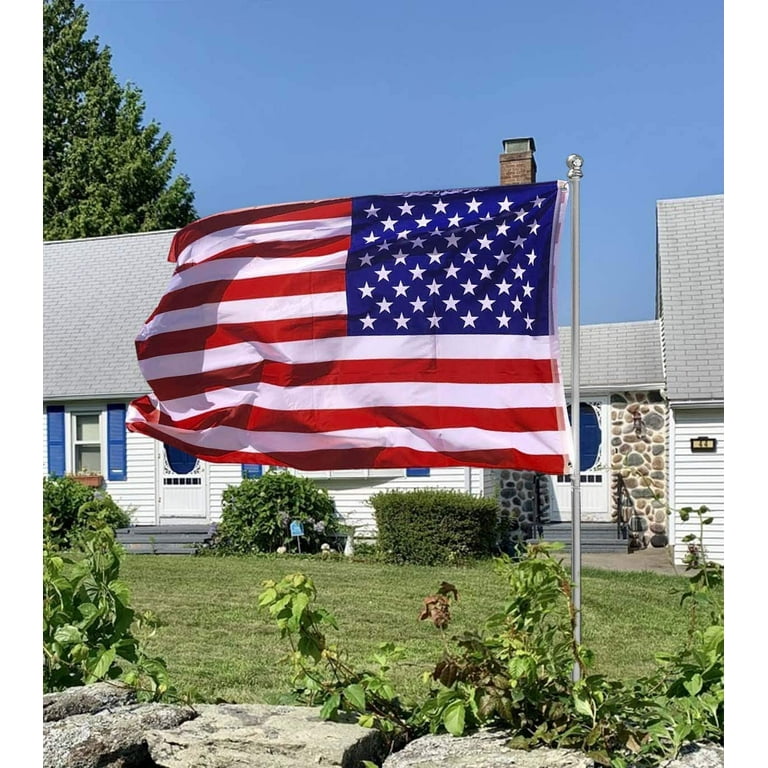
92,481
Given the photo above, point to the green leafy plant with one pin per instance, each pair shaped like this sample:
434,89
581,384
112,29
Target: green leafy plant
430,526
257,513
90,632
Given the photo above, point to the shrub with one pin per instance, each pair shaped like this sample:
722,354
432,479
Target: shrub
256,515
430,526
69,508
90,632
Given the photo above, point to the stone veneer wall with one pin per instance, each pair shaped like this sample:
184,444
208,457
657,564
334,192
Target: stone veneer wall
640,457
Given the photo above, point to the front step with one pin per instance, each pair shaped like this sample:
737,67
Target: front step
162,539
595,537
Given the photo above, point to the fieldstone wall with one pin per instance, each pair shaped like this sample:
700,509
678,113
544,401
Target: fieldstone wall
639,457
517,498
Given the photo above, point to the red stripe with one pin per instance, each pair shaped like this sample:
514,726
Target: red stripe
319,209
376,458
416,417
334,372
294,284
269,332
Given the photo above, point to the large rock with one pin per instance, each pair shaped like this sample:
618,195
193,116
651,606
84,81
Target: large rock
86,699
698,756
247,735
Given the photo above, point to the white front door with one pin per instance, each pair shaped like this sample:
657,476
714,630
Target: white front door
183,487
595,478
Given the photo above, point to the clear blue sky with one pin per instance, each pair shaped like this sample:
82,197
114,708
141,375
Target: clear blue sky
271,101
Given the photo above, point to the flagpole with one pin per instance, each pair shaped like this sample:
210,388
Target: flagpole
574,163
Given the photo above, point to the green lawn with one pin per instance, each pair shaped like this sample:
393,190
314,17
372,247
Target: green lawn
215,639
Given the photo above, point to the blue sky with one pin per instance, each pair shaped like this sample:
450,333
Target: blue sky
271,101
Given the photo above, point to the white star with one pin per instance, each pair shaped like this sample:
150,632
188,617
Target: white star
383,273
471,227
520,214
474,206
454,220
452,271
534,227
487,303
417,272
503,320
404,234
370,238
423,221
487,217
437,231
366,260
434,321
400,257
418,305
452,240
434,288
469,287
368,321
366,290
505,204
519,242
389,223
504,287
486,273
501,229
516,304
450,302
435,256
519,272
531,256
383,305
502,258
469,319
527,290
417,242
538,201
402,321
469,256
439,206
485,242
406,208
528,322
372,211
384,246
400,289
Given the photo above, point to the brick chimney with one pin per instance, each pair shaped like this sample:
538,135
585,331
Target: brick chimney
516,162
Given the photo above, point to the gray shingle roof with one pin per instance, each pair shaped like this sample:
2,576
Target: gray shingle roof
690,244
97,293
615,355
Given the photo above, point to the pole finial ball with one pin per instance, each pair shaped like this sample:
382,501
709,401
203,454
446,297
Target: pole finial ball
575,163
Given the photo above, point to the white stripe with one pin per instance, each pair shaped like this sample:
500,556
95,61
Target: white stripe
246,311
448,347
369,395
434,441
234,237
244,268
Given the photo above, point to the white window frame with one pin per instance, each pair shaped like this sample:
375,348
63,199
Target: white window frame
71,436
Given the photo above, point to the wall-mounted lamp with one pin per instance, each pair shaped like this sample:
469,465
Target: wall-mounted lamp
637,422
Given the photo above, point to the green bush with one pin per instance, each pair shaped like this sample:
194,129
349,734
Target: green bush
256,515
431,526
69,508
90,632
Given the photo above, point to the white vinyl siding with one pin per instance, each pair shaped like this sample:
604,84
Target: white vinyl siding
698,478
137,494
220,477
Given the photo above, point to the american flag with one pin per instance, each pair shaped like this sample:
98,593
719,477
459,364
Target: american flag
407,330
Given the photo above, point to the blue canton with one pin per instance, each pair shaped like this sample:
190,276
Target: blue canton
468,261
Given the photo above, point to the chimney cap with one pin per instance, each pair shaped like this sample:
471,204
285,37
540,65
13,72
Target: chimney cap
513,146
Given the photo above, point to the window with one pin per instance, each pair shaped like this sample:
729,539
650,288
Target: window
86,443
590,435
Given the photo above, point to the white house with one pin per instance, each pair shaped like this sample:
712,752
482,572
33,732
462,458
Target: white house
651,391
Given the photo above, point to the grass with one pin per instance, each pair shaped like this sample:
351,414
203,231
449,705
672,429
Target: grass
216,641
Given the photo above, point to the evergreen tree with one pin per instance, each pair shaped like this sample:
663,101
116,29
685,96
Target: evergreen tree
104,172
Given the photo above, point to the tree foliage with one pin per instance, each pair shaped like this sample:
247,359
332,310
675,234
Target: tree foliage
104,171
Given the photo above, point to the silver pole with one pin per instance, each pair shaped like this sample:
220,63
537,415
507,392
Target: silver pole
574,163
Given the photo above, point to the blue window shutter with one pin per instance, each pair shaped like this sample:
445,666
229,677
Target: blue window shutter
57,462
116,449
252,470
417,472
